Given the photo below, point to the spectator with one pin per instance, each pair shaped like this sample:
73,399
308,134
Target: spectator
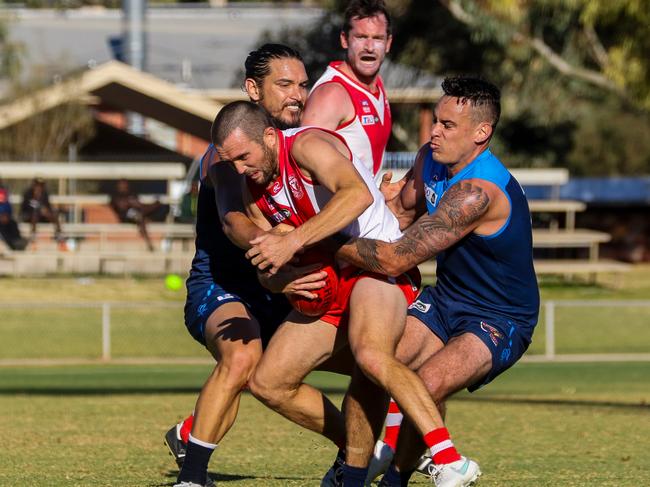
129,209
36,208
189,204
9,231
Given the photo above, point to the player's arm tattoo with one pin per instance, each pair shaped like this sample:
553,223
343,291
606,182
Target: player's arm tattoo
369,254
459,212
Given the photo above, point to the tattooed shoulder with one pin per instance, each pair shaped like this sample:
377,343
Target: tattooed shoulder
464,203
460,209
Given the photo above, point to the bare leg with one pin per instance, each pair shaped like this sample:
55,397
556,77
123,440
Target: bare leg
297,347
366,405
377,317
53,217
232,336
33,220
459,364
142,227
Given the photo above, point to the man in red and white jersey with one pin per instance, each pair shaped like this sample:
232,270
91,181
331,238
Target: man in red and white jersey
350,97
309,177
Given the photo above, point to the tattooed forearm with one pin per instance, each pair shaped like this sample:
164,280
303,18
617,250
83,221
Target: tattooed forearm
459,212
369,254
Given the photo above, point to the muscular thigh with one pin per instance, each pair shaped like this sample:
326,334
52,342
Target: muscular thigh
417,343
205,299
231,328
298,346
377,314
462,362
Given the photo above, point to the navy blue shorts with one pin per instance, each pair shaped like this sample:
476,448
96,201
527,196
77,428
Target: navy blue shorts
204,297
506,339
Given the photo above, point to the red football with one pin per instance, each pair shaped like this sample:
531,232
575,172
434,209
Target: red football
326,294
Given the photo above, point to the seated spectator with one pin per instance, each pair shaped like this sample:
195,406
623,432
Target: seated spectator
36,208
9,231
189,204
129,209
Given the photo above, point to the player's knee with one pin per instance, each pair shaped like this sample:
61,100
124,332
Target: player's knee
435,385
372,362
241,365
269,391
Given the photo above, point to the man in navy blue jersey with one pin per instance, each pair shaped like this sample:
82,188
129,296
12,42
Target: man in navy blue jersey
478,319
227,310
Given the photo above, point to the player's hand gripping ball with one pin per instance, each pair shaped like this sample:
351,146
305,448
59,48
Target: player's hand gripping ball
325,295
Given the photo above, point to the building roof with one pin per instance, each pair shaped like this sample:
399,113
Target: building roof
120,86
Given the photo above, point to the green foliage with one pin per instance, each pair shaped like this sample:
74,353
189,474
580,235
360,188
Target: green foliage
573,74
48,133
11,53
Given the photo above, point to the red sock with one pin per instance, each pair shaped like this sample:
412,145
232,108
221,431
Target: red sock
442,449
186,428
393,423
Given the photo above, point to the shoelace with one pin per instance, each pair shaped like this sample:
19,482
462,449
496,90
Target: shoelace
434,472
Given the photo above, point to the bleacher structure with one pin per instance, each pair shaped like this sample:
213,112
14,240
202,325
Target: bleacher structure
105,246
557,236
98,244
116,248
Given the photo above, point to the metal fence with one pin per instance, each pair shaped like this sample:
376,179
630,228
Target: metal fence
141,332
625,322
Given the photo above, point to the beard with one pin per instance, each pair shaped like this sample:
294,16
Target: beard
284,124
292,122
270,165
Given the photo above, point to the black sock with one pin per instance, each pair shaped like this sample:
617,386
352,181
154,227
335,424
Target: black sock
393,478
354,476
195,466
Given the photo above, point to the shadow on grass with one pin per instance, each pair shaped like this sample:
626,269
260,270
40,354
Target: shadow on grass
555,402
225,477
102,391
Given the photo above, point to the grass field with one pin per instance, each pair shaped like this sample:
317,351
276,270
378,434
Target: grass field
539,425
583,424
54,333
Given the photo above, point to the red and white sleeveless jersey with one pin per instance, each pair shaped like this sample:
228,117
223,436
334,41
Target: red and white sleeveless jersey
368,132
293,199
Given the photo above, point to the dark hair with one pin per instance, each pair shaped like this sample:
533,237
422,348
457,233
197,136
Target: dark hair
257,63
483,96
245,115
363,9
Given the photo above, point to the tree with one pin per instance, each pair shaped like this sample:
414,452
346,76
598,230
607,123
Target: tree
569,71
46,135
601,42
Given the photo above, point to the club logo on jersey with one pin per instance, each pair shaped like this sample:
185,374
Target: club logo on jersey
275,188
420,306
495,334
278,214
296,188
366,109
367,120
430,195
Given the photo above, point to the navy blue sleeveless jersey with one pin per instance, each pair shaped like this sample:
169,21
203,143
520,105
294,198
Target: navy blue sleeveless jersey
221,274
216,258
487,273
